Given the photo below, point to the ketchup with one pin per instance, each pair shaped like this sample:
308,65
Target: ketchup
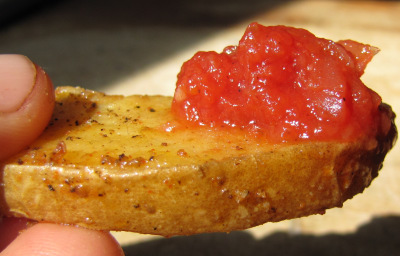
283,83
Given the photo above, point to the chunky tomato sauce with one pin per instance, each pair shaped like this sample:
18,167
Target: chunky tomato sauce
283,83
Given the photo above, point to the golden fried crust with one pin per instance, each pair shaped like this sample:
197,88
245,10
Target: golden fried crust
112,163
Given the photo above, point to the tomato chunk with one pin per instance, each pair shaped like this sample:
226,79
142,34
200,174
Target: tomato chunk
280,82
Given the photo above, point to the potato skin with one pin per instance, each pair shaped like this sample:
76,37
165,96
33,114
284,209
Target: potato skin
106,162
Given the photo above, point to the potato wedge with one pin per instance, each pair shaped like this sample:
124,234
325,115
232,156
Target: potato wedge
109,163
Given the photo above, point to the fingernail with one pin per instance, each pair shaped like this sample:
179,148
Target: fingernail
17,79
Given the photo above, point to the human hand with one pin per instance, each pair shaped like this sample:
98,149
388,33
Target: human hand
26,105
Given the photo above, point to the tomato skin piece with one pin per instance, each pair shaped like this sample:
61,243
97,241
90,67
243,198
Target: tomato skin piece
282,83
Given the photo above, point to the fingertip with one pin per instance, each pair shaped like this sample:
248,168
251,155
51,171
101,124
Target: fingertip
27,97
17,79
60,240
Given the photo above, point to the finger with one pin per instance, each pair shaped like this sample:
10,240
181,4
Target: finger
26,103
9,230
59,240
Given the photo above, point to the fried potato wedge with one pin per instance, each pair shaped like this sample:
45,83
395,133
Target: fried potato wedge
118,163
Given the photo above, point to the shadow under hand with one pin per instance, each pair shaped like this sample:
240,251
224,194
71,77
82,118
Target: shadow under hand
379,237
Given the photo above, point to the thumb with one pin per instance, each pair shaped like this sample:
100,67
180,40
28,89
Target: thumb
55,239
26,103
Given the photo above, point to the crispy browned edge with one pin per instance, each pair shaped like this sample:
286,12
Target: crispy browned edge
213,196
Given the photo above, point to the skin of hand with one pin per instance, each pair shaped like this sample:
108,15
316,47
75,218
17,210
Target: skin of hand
26,106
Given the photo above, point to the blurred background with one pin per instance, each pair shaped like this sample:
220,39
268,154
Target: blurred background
137,47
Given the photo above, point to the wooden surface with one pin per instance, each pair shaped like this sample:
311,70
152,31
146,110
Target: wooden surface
368,223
